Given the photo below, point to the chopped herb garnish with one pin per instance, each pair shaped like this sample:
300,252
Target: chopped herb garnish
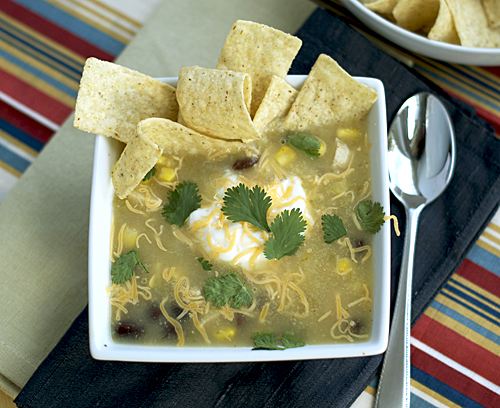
267,341
243,204
225,289
333,228
181,202
287,229
207,266
123,269
370,217
291,340
149,174
306,143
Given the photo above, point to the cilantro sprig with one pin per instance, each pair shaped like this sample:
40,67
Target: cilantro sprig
306,143
227,288
181,202
286,238
333,228
207,266
267,341
123,268
370,216
245,205
149,174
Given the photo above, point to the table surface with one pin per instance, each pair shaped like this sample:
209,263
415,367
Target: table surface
455,345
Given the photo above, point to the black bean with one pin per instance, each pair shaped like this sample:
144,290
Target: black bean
358,326
245,163
127,329
357,243
154,311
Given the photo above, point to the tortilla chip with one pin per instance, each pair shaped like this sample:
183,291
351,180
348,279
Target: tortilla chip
215,103
328,97
416,15
276,103
259,51
113,99
156,136
444,28
492,11
472,25
381,6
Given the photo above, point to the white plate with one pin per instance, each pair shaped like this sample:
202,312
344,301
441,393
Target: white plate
420,44
102,345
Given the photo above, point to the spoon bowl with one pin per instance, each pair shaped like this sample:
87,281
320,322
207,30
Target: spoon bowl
421,161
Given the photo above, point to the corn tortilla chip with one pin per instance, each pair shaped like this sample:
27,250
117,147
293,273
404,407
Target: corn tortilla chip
381,6
215,103
492,10
444,28
472,25
416,15
113,99
328,97
259,51
157,136
276,103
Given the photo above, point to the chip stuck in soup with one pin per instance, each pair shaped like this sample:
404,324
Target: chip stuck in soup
244,225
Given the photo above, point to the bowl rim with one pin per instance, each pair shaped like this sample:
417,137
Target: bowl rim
102,347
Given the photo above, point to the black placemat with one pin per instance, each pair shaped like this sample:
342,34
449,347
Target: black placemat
449,227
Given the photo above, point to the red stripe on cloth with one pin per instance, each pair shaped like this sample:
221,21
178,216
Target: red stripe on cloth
454,379
25,123
489,117
33,98
53,31
458,348
480,276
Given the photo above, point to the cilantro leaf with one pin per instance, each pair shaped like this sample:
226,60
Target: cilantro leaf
370,217
265,341
182,202
306,143
149,174
207,266
291,340
333,228
287,229
243,204
225,289
123,269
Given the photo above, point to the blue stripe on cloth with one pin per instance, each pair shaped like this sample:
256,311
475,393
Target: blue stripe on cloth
485,259
39,74
20,135
12,159
460,318
417,402
74,25
59,59
483,302
441,388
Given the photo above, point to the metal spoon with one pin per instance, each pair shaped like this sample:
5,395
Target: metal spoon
421,160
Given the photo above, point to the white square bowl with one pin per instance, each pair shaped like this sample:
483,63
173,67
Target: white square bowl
103,347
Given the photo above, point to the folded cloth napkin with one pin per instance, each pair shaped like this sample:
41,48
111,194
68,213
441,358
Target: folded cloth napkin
449,227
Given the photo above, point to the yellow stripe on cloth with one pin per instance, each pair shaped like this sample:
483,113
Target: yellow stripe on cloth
432,394
10,169
123,16
488,247
43,43
53,73
480,290
16,142
462,330
37,83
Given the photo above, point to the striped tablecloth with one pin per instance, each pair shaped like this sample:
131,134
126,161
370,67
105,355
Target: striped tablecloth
43,45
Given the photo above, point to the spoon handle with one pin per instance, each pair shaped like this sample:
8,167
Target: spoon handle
394,383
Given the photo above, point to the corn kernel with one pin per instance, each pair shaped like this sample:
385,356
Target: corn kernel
322,148
227,334
347,133
344,264
285,155
163,161
166,174
129,237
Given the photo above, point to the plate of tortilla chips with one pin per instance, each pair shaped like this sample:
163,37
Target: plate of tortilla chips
458,31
